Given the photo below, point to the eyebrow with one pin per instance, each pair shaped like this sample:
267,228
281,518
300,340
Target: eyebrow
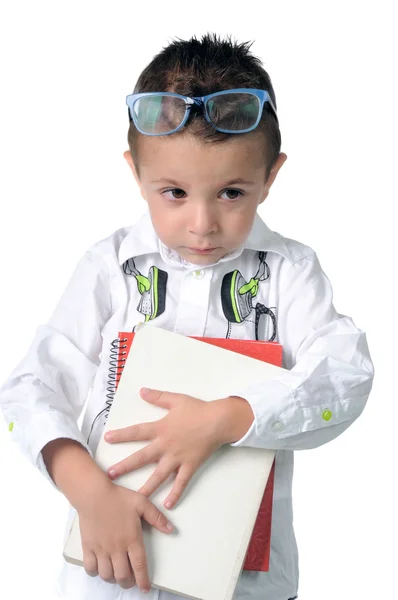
226,184
170,181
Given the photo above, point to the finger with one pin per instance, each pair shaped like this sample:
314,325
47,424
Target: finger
154,517
90,563
184,476
105,568
132,433
122,570
159,476
157,397
138,561
143,457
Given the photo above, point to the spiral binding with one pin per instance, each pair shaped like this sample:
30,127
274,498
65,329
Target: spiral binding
115,373
115,370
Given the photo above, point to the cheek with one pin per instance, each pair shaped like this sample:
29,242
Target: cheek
167,223
240,224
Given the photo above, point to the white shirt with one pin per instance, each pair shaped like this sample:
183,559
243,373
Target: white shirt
273,288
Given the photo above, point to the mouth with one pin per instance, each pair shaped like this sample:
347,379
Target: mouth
202,250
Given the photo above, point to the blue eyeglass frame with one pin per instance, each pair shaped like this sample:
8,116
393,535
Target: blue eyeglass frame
201,101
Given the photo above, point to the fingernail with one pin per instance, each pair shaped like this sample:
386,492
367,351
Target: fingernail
170,526
144,391
112,473
168,504
108,435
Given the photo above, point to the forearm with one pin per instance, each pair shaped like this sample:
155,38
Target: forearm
73,470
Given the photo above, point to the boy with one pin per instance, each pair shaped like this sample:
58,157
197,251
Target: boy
200,263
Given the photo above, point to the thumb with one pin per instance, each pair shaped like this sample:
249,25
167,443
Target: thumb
154,517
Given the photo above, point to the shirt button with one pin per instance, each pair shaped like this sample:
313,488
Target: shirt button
199,274
327,415
277,426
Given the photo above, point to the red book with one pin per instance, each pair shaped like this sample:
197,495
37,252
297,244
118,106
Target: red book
257,557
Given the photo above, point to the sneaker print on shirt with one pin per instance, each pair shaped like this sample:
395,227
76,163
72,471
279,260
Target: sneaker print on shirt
237,297
152,289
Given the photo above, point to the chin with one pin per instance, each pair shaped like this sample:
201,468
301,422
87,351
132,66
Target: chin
203,259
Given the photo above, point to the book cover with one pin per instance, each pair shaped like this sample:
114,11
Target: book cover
258,554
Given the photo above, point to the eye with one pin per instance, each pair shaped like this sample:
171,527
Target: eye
177,194
233,194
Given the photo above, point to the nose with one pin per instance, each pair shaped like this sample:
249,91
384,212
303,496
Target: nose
203,219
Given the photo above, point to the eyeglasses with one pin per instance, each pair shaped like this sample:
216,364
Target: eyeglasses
229,111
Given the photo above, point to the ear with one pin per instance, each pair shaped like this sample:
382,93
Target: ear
130,162
129,159
272,176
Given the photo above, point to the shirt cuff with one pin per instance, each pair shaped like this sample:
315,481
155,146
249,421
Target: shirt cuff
42,429
275,414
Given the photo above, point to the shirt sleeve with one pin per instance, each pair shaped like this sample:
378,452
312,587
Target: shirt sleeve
329,372
44,396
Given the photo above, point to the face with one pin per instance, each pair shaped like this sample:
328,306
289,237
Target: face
203,197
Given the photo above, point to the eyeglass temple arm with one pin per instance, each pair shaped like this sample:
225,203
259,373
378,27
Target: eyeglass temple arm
272,107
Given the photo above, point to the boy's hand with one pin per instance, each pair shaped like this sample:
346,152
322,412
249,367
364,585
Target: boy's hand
111,531
182,440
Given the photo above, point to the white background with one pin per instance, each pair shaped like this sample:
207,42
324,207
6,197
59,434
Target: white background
66,69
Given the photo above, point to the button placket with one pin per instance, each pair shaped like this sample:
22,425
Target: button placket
193,302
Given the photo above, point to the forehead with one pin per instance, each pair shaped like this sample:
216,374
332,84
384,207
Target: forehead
187,156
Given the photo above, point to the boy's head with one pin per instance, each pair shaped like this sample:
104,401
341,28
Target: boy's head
202,186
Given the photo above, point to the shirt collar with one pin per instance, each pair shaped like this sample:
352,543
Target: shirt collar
142,239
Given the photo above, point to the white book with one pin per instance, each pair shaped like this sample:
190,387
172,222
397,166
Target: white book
213,521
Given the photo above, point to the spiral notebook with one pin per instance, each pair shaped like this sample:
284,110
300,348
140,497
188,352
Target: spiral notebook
215,518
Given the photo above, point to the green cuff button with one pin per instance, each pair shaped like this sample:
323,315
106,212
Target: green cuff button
326,415
10,426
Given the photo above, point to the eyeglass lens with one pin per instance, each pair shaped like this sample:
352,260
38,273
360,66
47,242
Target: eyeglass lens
236,111
159,114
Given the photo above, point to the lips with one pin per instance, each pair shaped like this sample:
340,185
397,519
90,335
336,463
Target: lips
202,250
